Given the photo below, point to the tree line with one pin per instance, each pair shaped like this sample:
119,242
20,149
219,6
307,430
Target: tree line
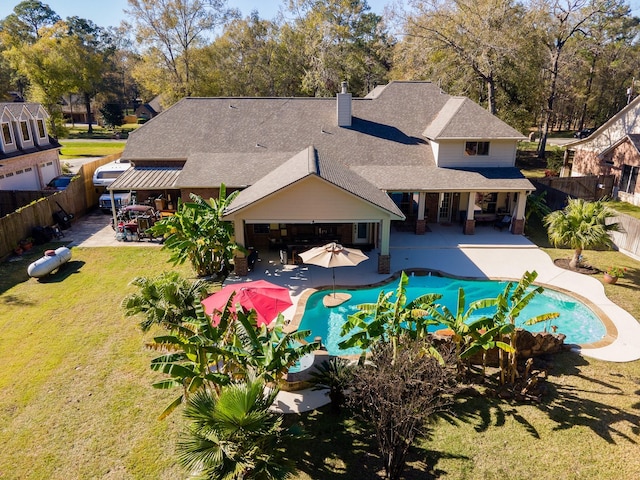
554,64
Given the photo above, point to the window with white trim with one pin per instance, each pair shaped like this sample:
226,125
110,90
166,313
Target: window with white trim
476,148
41,130
25,131
6,134
629,178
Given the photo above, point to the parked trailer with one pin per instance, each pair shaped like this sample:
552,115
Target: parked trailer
52,259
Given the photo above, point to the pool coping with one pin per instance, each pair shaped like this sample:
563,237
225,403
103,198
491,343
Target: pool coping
611,332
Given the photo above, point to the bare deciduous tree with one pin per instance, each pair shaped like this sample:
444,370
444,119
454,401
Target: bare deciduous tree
398,397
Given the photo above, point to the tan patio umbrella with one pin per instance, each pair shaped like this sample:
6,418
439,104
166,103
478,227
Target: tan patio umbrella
330,256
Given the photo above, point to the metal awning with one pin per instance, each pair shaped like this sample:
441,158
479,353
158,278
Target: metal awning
147,178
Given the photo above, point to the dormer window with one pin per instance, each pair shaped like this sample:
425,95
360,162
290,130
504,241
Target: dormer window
41,130
25,131
6,134
476,148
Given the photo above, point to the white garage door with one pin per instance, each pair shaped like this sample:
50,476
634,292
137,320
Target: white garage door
48,172
26,179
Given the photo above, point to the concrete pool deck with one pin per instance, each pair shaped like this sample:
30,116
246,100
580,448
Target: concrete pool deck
489,254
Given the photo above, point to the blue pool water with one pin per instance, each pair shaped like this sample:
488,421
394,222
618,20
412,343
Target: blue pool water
576,320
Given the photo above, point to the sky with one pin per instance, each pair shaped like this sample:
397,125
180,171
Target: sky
106,13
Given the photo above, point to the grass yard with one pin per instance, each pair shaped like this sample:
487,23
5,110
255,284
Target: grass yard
627,208
76,400
75,396
90,148
587,429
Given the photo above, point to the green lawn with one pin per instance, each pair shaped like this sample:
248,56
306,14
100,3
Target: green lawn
627,208
75,395
76,400
586,429
78,149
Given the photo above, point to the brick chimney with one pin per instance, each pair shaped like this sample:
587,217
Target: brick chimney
344,107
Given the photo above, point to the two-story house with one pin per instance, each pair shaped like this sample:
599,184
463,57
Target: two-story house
313,170
28,156
613,149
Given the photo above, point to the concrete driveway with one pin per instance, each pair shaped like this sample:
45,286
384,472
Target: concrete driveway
94,230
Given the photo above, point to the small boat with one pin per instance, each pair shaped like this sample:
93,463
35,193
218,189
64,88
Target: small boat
52,259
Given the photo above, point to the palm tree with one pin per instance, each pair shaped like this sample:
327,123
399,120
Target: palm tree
581,225
164,300
233,435
336,375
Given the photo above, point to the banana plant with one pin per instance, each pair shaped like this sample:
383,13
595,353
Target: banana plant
192,355
197,233
509,306
388,318
460,322
266,352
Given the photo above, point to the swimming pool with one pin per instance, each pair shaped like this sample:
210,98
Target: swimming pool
578,322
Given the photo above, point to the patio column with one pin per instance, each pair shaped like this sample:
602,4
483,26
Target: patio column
469,227
384,259
517,225
240,261
114,210
421,222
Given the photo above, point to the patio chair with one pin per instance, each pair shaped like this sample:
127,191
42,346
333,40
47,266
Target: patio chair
504,222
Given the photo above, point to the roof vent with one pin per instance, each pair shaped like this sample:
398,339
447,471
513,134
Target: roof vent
344,107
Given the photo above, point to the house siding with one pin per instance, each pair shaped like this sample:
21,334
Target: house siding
589,163
311,199
628,122
451,154
586,162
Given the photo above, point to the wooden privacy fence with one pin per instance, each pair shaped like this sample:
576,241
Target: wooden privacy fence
11,200
79,197
559,189
629,239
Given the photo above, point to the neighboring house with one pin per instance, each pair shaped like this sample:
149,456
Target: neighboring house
74,109
314,170
613,149
147,111
28,156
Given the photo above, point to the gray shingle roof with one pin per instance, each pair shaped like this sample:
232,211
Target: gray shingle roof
305,163
233,169
462,118
634,138
289,172
238,140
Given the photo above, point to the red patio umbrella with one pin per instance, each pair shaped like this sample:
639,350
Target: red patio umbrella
267,299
